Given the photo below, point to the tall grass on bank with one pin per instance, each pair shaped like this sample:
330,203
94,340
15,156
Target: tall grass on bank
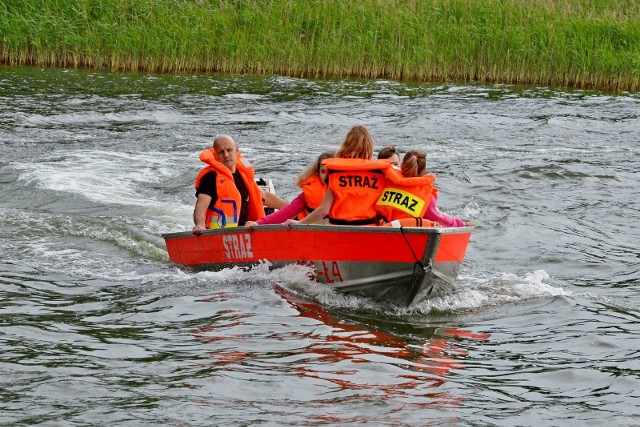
579,43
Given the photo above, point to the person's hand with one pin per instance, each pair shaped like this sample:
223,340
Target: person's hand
198,228
250,224
469,224
288,223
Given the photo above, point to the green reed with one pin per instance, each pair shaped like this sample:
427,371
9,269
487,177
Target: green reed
578,43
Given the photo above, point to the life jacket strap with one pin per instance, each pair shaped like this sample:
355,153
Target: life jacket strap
367,221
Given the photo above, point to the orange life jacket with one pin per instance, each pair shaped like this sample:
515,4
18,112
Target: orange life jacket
225,212
405,197
356,185
410,222
314,190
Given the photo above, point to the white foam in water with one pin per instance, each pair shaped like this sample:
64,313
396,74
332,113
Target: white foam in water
293,278
324,294
92,117
61,226
296,279
77,262
176,281
105,177
471,210
473,293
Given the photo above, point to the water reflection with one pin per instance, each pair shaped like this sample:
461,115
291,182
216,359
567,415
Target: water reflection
419,362
349,359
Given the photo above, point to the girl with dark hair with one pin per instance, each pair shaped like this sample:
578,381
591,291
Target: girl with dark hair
410,193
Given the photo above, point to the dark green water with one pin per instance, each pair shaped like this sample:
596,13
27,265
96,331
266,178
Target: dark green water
98,328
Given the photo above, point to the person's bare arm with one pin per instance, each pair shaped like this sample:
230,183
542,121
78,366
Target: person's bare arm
273,201
200,212
318,213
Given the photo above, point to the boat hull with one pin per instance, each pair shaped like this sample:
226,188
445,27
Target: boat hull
402,266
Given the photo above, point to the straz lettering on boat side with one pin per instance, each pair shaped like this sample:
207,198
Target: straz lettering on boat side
358,181
402,200
237,246
330,272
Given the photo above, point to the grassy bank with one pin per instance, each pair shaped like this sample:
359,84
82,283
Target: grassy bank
578,43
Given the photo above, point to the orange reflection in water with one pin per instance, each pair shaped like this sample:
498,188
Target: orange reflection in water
211,333
383,365
422,365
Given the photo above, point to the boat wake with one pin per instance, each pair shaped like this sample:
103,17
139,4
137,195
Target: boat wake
470,294
474,293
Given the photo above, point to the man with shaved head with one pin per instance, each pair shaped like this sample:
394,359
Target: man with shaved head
226,190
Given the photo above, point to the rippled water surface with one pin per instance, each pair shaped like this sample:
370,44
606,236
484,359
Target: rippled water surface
98,327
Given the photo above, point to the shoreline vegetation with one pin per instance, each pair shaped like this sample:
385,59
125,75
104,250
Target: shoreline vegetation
587,44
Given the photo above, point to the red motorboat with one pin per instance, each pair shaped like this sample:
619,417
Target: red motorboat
402,266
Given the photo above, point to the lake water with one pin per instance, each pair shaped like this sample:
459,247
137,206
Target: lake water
98,327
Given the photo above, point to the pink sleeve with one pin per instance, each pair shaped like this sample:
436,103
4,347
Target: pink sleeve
281,215
432,214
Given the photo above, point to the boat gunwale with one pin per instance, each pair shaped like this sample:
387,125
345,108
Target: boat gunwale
325,228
